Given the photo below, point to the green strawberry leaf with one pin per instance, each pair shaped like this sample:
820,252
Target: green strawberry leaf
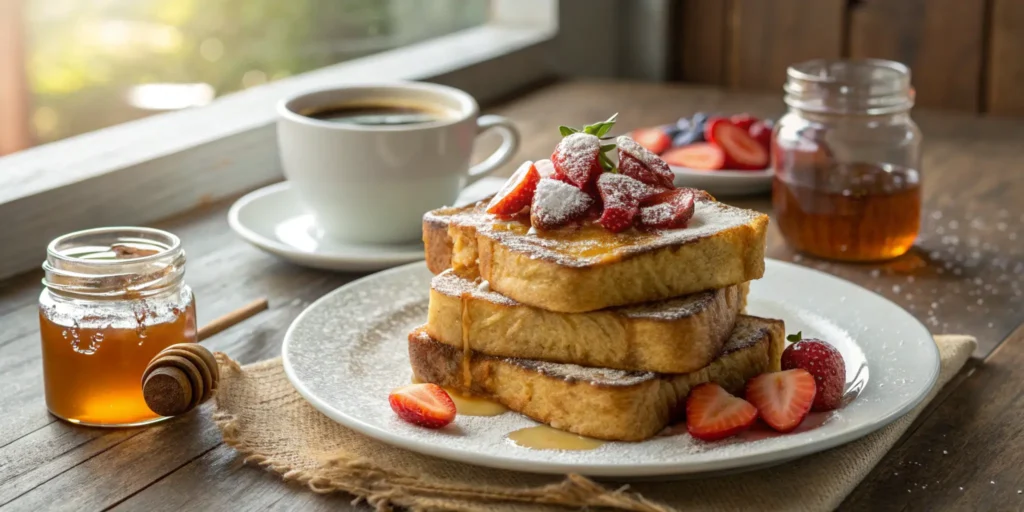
795,337
606,162
607,147
566,130
606,126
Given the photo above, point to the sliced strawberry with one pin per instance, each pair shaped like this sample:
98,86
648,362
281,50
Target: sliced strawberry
668,210
654,140
556,203
577,159
701,155
825,363
516,193
713,414
744,120
426,405
741,150
621,197
761,131
545,167
782,398
638,163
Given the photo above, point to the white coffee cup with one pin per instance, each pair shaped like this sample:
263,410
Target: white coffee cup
372,183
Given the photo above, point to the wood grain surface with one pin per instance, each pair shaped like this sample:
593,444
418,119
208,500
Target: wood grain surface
965,275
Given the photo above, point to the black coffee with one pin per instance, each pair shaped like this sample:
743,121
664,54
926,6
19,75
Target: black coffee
375,115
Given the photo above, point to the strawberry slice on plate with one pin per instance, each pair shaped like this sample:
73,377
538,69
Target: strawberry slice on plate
516,193
426,405
668,210
741,150
621,197
700,155
577,159
640,164
654,140
744,121
783,398
713,414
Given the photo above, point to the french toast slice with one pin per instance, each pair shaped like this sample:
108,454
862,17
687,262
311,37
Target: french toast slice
671,336
584,267
597,402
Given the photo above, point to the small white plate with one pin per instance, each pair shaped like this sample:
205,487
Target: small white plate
349,349
724,183
273,219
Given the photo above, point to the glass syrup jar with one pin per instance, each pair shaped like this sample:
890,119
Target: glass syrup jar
113,299
847,160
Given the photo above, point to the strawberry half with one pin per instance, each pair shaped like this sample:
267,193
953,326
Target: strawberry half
700,155
668,210
654,140
640,164
545,168
621,197
426,405
782,398
516,193
556,204
577,159
741,150
744,121
713,414
761,131
825,363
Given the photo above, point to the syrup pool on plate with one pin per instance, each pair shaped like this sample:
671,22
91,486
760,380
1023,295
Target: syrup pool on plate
543,437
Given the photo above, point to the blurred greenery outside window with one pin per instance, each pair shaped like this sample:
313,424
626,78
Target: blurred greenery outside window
97,63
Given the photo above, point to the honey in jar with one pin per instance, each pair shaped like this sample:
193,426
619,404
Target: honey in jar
114,298
846,158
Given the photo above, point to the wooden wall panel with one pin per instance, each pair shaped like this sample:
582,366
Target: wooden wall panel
1005,81
941,40
702,41
766,36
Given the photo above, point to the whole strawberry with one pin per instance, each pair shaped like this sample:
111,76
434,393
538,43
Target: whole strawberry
824,362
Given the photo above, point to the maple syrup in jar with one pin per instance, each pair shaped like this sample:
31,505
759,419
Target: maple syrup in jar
114,298
847,160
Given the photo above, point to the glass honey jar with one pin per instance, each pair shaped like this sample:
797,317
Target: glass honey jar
847,160
113,299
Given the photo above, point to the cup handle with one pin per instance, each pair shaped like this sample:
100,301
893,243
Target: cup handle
509,145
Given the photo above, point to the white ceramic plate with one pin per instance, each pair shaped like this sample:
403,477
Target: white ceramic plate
273,219
724,183
348,350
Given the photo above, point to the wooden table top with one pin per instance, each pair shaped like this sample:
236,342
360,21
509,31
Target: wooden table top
965,275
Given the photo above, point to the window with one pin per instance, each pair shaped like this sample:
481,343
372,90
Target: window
89,64
205,142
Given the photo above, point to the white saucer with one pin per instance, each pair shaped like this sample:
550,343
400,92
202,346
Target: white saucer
273,220
348,350
724,183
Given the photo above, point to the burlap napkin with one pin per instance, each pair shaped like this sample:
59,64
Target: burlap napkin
262,417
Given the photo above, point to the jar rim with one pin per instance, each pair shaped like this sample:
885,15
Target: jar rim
849,86
69,268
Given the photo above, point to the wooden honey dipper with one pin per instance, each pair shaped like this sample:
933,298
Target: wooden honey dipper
184,375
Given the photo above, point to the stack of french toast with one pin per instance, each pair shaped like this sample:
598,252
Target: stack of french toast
585,321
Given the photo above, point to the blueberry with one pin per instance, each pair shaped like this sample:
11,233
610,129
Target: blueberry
683,124
671,130
687,137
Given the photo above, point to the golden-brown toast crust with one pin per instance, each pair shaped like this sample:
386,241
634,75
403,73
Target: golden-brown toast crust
596,402
672,336
580,269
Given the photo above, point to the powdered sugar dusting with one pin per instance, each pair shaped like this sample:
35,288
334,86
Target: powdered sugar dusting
451,284
592,244
576,155
556,203
635,150
621,191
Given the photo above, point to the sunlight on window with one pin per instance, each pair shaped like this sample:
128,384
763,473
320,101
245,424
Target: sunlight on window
96,63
